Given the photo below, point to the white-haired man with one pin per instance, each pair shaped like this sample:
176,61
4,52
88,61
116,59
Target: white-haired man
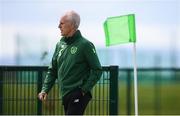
76,66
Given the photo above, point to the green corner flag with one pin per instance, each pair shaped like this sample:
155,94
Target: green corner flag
120,29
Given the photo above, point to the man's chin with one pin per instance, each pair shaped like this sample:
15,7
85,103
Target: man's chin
62,34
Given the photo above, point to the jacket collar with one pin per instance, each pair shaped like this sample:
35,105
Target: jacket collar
70,40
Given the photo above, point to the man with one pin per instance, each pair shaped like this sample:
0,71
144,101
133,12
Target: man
76,66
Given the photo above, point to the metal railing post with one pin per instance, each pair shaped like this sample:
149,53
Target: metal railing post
39,86
1,92
128,92
157,93
113,90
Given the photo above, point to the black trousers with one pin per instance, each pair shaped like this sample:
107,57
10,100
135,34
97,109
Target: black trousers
75,102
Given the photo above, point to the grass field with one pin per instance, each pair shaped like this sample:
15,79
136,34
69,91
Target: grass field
166,101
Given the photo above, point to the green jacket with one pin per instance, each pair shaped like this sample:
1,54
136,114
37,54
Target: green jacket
75,64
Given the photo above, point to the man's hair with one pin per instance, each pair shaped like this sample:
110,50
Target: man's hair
73,17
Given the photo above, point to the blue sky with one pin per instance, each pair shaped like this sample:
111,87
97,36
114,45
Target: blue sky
38,11
157,22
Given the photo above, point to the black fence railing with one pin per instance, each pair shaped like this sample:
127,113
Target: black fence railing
158,92
20,85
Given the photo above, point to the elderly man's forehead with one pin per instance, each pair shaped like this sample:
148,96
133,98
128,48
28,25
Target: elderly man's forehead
64,18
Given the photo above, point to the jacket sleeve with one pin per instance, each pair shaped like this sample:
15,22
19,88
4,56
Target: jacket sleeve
51,75
94,65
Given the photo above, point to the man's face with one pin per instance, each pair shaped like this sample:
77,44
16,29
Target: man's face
65,26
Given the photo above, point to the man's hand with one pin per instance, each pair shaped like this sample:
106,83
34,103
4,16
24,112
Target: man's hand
42,96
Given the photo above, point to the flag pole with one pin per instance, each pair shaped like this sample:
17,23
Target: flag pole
135,80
